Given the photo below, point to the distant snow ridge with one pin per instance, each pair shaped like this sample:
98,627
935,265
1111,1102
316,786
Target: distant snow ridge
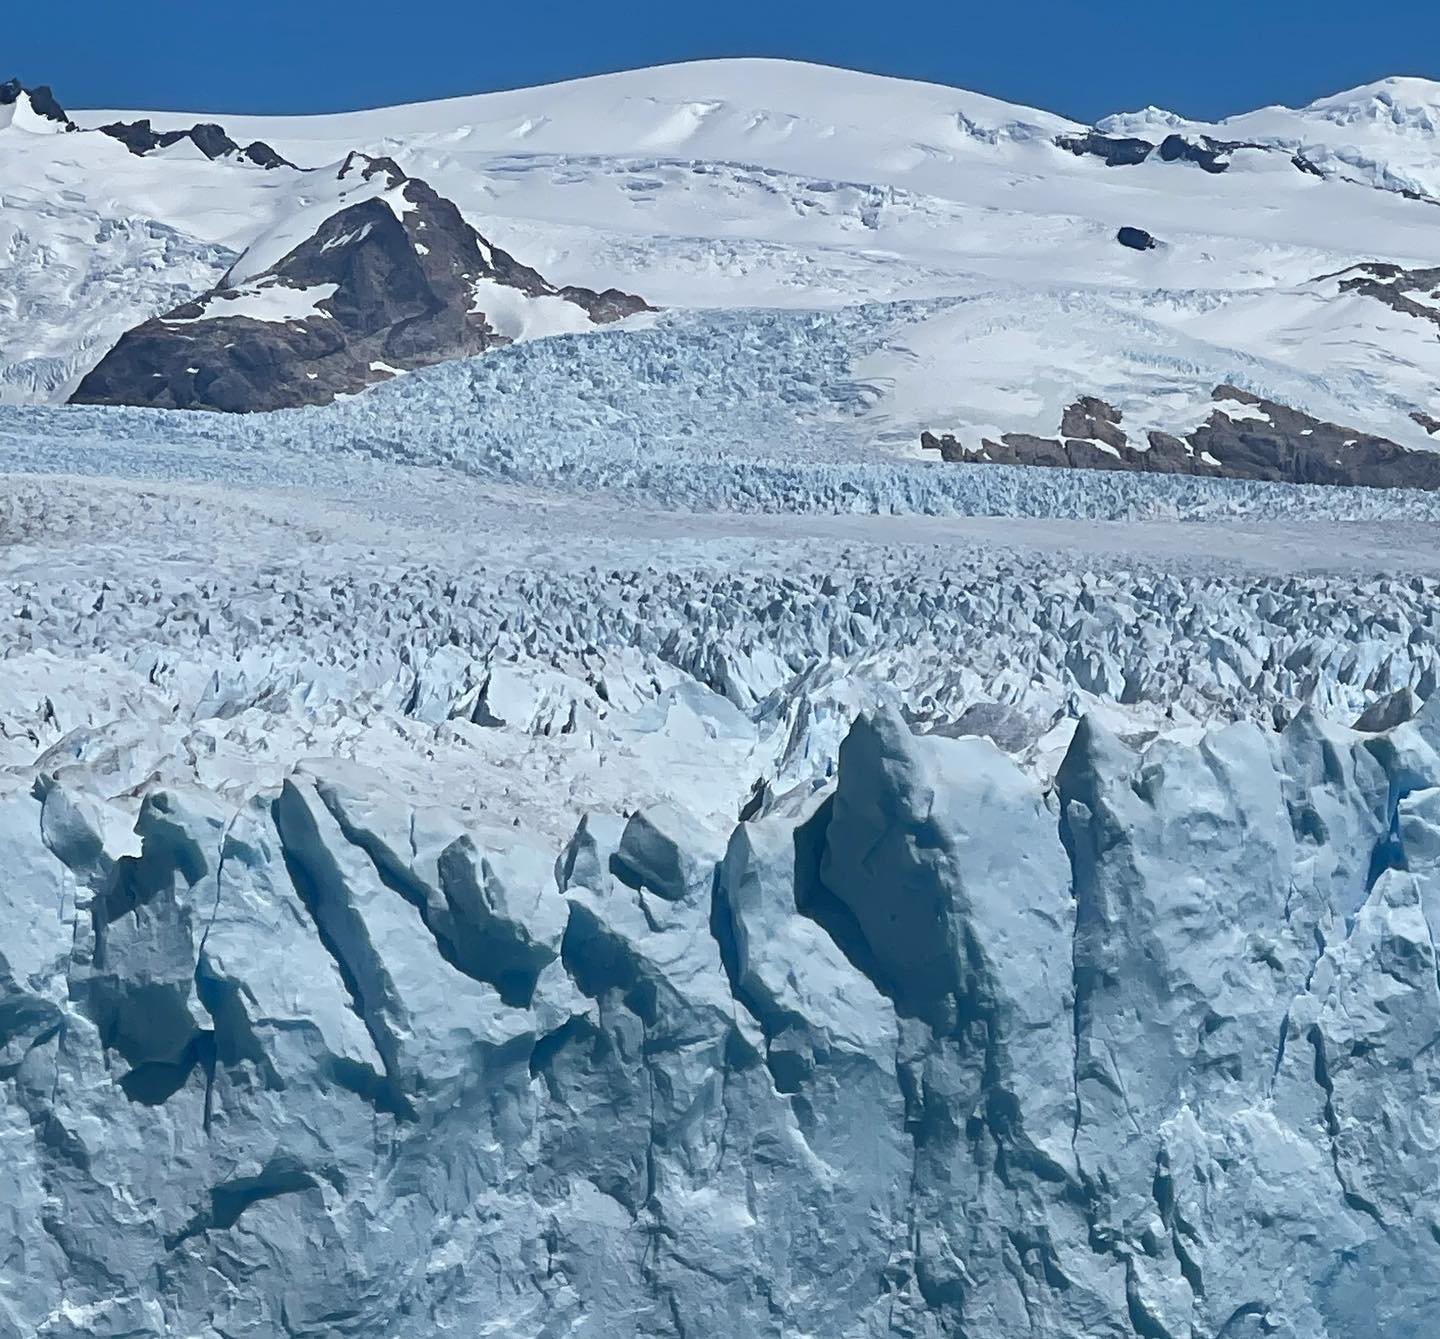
1380,135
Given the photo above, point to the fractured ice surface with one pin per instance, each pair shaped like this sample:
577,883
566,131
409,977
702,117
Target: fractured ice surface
930,1049
385,953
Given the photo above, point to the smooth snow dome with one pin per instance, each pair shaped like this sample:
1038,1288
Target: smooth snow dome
712,108
612,838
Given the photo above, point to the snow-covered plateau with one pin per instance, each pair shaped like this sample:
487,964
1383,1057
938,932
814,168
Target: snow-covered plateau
607,837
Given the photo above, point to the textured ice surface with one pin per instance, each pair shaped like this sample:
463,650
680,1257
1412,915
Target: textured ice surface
594,842
738,411
384,948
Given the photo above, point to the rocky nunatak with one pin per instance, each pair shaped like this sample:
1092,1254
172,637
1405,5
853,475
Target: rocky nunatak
211,139
393,281
1245,437
40,101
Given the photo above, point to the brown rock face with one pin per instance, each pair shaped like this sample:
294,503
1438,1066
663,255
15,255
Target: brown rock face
1264,441
383,285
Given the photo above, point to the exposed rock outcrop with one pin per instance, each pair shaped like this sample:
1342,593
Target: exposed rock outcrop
1137,239
395,281
1113,152
210,139
1211,155
38,102
1413,293
1091,419
1245,437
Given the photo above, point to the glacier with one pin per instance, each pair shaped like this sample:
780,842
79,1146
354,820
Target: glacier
608,838
894,938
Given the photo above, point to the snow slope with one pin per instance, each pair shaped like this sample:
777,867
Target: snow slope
773,184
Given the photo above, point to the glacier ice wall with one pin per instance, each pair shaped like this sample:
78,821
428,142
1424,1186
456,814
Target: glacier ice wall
923,1049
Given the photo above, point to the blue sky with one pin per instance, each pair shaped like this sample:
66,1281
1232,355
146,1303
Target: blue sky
1073,56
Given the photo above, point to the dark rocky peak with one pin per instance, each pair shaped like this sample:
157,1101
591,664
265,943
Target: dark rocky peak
212,140
436,224
262,155
390,282
42,102
141,139
365,167
1111,151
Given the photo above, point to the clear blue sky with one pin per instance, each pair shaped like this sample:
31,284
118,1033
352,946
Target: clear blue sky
1203,59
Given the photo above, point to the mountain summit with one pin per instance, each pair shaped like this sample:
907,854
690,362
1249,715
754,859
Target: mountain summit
393,280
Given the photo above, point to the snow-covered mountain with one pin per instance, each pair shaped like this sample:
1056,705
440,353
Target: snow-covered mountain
378,276
1382,134
763,183
612,836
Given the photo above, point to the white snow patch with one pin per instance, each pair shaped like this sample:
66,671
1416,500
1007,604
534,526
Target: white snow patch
400,203
346,239
266,301
1238,411
517,316
21,115
1431,300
